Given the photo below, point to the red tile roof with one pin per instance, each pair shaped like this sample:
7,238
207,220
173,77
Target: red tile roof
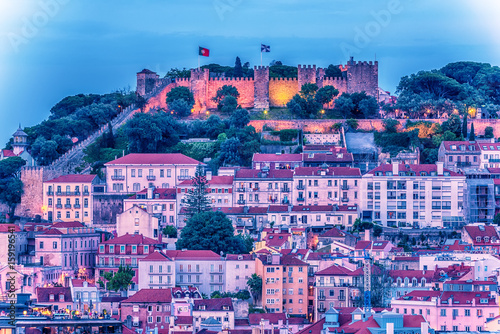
313,208
216,304
315,328
347,207
131,239
254,318
156,256
67,225
216,180
150,296
330,171
359,327
192,255
6,228
263,157
412,321
52,232
326,157
494,170
78,283
259,174
164,193
410,274
335,270
184,320
333,233
411,168
292,260
43,294
73,178
276,239
447,146
475,231
239,257
8,153
278,208
154,159
458,297
257,210
489,146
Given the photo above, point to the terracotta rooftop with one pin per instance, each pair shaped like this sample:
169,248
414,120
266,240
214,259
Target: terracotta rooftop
417,169
43,294
131,239
457,146
330,171
67,224
150,296
78,283
216,180
156,256
154,159
263,157
6,228
192,255
163,193
215,304
259,174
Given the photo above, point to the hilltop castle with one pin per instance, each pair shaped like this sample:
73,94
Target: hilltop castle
261,91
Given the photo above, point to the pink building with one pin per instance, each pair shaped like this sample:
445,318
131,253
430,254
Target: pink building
457,308
59,298
457,155
482,237
377,250
137,171
220,191
124,251
160,202
276,161
326,186
264,187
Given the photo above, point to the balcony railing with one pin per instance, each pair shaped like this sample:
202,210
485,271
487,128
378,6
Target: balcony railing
345,199
77,206
117,177
50,193
301,199
341,297
184,177
300,187
321,297
150,177
241,201
494,160
463,164
85,193
59,206
241,190
321,309
67,206
285,190
285,202
345,187
59,193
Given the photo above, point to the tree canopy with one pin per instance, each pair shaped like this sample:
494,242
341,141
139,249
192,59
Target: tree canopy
151,133
356,105
197,197
11,186
212,231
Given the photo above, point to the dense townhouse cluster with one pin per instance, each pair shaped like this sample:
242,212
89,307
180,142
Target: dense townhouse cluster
317,222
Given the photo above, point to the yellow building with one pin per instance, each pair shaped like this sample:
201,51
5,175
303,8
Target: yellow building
284,283
69,198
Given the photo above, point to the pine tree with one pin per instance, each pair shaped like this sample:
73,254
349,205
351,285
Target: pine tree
464,126
472,135
110,138
238,70
197,197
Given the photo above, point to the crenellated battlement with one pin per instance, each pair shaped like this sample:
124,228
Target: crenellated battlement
230,79
334,79
260,68
362,63
311,67
283,79
179,80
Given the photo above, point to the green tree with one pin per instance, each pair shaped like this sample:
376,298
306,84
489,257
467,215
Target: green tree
254,283
230,152
211,231
239,118
496,220
472,135
174,73
464,126
170,231
238,70
488,132
377,230
197,198
182,93
44,150
224,91
11,186
121,280
228,105
333,71
180,108
352,124
453,124
151,133
304,104
391,125
356,105
242,295
326,94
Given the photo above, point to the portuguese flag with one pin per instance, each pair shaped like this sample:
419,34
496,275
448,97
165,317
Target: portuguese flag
203,52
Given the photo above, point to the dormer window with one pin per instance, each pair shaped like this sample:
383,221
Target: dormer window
203,307
486,239
51,297
478,239
225,307
423,173
61,297
112,249
122,249
453,147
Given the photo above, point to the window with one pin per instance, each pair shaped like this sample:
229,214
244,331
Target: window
132,173
41,244
54,245
467,313
443,312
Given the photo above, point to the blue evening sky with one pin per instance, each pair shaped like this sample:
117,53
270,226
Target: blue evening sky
50,49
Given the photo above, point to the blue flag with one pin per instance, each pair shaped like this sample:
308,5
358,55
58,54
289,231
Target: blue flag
265,48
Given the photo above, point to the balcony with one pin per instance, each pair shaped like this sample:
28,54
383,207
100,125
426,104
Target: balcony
58,206
241,201
241,190
256,189
85,193
150,177
285,202
345,187
321,297
463,164
285,190
67,206
184,177
301,199
59,193
300,187
341,297
494,160
321,309
117,177
50,193
76,206
345,199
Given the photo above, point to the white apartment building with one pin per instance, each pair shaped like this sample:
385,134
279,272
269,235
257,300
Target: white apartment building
412,195
490,155
135,172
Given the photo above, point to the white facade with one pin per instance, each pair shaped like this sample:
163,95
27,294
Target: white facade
240,269
485,265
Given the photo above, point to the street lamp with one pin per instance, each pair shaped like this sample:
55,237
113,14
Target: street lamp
265,114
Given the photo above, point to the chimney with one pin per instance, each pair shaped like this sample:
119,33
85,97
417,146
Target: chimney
389,328
395,168
439,165
150,192
424,328
367,235
208,175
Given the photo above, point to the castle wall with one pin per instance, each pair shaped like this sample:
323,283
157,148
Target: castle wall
363,76
146,82
159,101
106,207
281,90
306,74
32,199
198,85
339,83
245,87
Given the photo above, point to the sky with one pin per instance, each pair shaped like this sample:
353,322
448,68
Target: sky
50,49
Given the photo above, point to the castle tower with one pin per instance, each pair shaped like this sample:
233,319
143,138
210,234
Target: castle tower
306,75
146,81
261,87
20,141
320,76
199,88
362,76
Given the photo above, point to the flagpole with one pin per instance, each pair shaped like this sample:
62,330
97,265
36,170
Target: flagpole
198,61
260,56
